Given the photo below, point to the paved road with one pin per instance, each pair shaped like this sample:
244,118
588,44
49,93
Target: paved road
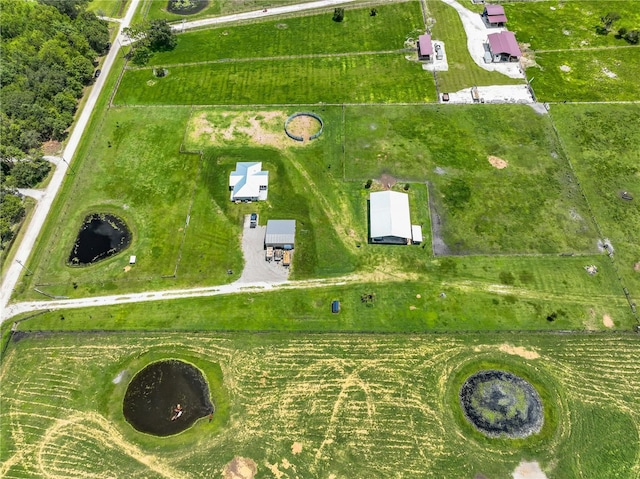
13,271
258,14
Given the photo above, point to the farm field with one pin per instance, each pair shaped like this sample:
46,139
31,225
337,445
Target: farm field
585,76
463,72
334,79
570,25
530,206
316,405
603,143
305,35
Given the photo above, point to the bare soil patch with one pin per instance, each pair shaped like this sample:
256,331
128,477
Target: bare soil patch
528,470
387,181
240,468
607,321
304,126
296,448
636,267
609,73
497,162
51,148
260,128
565,68
519,351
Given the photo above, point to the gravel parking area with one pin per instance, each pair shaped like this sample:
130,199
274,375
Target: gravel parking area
256,268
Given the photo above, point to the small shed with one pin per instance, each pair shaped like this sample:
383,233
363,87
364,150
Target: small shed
416,233
494,16
280,234
425,48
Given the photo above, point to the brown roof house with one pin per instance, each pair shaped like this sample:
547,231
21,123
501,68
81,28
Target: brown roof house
502,47
425,48
494,16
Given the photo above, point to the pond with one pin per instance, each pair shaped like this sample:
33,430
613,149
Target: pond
186,7
499,403
166,398
100,236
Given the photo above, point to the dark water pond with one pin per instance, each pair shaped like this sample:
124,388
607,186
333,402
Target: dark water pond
166,398
186,7
499,403
100,236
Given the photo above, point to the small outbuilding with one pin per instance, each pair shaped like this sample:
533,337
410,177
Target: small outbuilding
425,48
389,218
281,234
503,47
248,182
416,234
494,16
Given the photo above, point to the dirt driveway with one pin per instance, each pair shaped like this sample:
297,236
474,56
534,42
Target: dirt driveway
255,267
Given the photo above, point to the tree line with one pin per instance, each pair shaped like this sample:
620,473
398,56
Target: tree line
49,49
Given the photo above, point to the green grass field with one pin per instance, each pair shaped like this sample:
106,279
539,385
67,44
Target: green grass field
108,8
586,76
353,79
316,405
555,25
311,34
463,72
531,206
602,142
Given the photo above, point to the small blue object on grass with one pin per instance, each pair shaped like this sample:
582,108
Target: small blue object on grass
335,307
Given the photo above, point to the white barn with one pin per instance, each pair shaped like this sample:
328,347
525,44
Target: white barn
389,218
249,182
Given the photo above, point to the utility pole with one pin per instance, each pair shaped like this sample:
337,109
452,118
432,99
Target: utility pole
29,272
72,170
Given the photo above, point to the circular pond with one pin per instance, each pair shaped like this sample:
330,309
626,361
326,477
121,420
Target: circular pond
499,403
186,7
100,236
166,398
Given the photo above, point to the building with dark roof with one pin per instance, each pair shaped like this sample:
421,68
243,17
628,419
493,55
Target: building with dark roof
494,16
503,47
425,47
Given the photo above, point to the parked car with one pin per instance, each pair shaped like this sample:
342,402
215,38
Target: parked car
98,71
254,220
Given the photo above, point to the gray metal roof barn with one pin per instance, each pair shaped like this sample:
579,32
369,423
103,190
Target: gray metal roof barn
280,234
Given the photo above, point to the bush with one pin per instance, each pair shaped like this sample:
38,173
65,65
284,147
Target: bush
338,14
367,185
29,173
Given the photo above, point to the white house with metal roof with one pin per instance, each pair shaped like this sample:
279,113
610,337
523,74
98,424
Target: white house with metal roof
390,219
280,234
248,182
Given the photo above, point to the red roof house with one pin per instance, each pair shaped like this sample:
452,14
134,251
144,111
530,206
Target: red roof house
425,47
494,15
504,47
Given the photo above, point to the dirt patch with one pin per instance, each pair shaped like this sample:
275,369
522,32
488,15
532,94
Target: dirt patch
609,73
565,68
387,181
296,448
51,148
240,468
607,321
636,267
258,128
497,162
304,126
528,470
519,351
127,268
412,308
418,296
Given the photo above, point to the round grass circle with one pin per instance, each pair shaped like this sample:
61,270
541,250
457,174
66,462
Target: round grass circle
501,404
166,398
303,126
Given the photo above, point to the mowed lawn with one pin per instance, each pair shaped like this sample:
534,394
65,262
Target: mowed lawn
603,142
305,35
316,405
582,76
572,24
532,205
463,72
351,79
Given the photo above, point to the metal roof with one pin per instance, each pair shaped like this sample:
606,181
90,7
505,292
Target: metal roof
416,233
494,9
389,214
247,180
504,42
424,42
280,232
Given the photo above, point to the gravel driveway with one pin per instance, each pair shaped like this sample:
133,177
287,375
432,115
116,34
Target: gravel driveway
256,268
